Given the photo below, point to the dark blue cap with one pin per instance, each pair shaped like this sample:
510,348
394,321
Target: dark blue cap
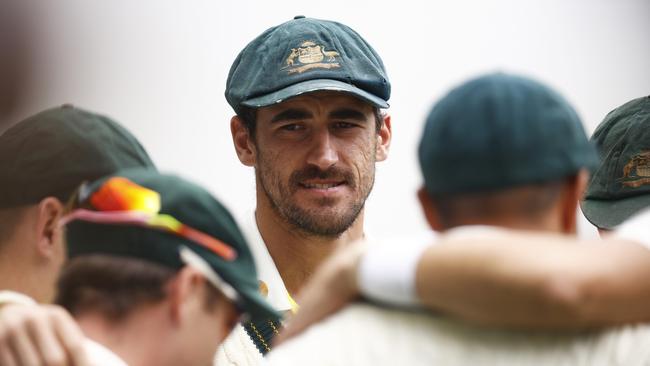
306,55
499,131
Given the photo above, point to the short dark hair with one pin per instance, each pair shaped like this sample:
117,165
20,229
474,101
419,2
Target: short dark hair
115,286
249,116
528,201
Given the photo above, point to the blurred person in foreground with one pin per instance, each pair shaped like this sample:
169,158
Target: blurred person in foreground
17,41
43,159
499,152
159,272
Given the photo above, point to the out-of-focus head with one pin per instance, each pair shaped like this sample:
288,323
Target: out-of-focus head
51,153
620,186
501,145
43,159
139,239
17,44
161,219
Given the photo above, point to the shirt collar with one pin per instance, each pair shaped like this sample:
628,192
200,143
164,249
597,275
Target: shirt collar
100,355
267,272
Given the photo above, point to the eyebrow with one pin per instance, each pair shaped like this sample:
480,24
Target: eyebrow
291,114
348,113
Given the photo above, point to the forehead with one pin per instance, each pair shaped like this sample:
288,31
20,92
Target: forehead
319,102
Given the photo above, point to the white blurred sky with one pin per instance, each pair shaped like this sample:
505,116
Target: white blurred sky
160,67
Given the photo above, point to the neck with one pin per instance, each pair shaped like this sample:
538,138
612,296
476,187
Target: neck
549,223
25,274
297,254
139,339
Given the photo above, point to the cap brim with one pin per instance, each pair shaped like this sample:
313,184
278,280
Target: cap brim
607,214
249,299
311,86
257,307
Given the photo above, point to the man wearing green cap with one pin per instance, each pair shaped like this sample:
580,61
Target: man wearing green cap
308,96
499,152
43,159
159,272
620,187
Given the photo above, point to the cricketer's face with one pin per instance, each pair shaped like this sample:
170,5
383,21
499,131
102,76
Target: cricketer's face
315,159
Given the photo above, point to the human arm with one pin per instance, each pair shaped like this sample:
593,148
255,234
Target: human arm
509,279
537,281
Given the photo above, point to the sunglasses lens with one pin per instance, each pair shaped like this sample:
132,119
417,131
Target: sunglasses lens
120,194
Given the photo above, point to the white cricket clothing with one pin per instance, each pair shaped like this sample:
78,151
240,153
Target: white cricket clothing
636,228
102,356
363,334
238,349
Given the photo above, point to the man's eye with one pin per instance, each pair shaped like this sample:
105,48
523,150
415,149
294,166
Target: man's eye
344,125
291,127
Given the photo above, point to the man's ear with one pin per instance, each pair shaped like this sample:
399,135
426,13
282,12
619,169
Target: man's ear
572,193
49,232
430,211
184,292
384,136
244,144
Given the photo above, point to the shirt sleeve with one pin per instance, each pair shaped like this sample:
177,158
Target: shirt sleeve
387,270
636,229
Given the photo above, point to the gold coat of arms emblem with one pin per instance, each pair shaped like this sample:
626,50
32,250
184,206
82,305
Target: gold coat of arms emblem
309,56
636,172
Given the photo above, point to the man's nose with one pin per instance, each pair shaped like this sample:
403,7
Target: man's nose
323,153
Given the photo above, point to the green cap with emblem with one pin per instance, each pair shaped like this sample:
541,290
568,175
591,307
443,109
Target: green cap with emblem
499,131
620,186
306,55
54,151
142,214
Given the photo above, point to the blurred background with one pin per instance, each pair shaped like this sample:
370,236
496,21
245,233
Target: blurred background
160,67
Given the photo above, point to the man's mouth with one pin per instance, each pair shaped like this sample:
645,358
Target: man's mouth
321,185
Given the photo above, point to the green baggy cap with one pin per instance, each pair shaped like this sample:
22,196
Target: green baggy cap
306,55
620,186
499,131
53,152
187,227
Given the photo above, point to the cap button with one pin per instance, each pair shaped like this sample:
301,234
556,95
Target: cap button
67,106
298,17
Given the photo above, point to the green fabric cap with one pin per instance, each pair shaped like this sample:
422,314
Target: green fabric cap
53,152
499,131
189,204
306,55
620,186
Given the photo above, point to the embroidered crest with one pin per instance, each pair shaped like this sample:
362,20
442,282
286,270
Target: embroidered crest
636,172
310,55
264,289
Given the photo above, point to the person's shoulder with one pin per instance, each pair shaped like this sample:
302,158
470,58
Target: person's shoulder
360,334
238,349
100,355
366,334
636,228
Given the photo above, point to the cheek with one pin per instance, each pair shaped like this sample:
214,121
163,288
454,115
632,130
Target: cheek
361,154
277,163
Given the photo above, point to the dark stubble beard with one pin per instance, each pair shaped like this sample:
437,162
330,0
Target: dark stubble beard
312,221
